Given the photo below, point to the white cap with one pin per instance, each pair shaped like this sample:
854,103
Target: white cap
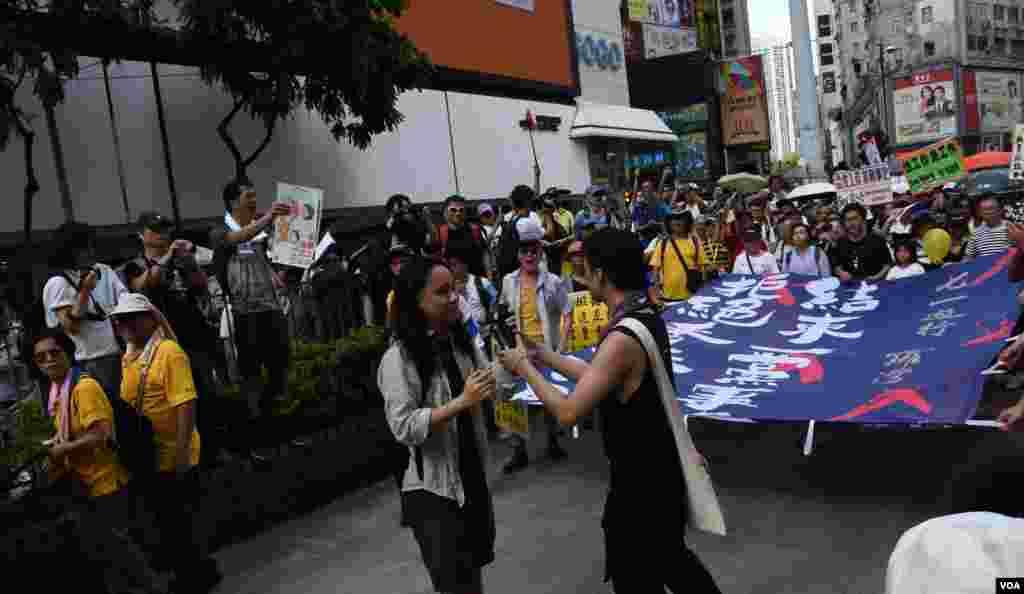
529,230
131,303
962,553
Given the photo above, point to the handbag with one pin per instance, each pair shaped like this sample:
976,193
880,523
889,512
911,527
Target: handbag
705,513
694,279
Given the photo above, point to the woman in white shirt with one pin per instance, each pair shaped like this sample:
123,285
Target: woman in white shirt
800,257
754,259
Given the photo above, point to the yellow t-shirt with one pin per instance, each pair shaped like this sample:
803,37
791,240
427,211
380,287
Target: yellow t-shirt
168,386
673,275
97,467
390,300
529,316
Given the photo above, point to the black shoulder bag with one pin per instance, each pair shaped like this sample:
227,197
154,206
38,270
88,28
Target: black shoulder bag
694,279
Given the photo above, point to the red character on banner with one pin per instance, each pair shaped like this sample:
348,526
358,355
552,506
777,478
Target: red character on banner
907,396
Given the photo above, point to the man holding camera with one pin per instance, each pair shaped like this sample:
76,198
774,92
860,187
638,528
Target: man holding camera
167,273
79,298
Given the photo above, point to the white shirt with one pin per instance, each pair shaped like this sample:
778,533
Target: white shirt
763,263
472,307
898,272
95,339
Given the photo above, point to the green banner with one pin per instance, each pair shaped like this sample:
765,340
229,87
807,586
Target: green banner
934,165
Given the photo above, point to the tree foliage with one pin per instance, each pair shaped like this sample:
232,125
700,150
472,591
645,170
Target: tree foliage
342,59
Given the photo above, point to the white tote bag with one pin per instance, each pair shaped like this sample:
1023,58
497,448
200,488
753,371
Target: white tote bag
705,512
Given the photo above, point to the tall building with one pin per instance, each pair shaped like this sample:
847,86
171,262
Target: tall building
780,81
829,68
735,19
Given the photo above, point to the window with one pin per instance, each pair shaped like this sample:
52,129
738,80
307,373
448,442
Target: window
927,15
827,57
929,49
728,18
897,56
853,26
824,25
998,13
896,26
856,48
999,45
828,82
856,67
1013,14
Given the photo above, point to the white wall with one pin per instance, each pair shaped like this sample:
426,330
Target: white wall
415,159
601,20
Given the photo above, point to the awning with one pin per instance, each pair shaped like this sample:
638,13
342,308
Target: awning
597,120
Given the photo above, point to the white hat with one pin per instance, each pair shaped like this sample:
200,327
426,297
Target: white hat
132,303
529,230
962,553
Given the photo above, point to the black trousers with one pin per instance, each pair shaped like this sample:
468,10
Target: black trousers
262,341
173,501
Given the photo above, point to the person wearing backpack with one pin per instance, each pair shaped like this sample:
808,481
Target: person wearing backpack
456,229
78,299
522,198
81,453
800,257
158,381
678,258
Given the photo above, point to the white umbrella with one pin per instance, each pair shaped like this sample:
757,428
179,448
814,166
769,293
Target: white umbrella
810,190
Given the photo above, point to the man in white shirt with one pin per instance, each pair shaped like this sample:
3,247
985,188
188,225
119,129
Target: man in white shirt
79,298
754,259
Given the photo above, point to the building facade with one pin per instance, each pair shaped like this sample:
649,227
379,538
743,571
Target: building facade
735,25
781,85
830,73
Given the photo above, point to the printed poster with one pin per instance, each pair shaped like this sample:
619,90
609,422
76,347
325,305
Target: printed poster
589,319
994,106
296,236
793,348
925,107
744,105
934,165
667,13
871,186
668,41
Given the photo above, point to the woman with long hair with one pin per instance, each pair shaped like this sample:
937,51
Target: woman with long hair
433,380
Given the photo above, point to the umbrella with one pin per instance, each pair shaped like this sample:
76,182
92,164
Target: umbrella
811,191
987,160
743,182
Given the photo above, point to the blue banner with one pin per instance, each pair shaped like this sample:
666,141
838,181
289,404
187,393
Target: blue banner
794,348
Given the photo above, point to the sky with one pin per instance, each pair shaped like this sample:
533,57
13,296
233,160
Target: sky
769,22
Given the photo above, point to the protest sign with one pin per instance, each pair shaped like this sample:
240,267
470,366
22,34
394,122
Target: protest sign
793,348
1017,159
589,319
934,165
296,236
869,186
512,416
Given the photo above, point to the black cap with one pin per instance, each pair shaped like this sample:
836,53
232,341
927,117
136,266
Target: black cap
154,221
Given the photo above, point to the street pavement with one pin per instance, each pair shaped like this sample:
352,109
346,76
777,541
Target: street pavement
820,524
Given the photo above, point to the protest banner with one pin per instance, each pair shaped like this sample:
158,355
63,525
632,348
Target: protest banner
296,236
870,186
934,165
794,348
589,319
1017,159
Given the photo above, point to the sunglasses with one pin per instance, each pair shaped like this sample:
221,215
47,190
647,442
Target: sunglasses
529,250
44,356
456,209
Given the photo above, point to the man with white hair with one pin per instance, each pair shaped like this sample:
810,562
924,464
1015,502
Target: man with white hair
538,299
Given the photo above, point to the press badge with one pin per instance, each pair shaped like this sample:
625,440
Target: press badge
246,249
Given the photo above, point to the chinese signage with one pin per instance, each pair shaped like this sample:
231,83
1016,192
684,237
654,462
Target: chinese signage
992,100
870,186
744,107
668,41
589,319
794,348
1017,157
934,165
526,5
668,13
925,107
296,236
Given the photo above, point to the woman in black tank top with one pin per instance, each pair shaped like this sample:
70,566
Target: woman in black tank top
645,514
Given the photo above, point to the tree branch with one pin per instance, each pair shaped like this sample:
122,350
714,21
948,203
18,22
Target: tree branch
222,130
266,141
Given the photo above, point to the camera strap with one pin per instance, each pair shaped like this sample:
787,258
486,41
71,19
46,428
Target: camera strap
102,315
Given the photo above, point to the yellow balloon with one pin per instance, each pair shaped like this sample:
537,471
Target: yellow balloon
936,245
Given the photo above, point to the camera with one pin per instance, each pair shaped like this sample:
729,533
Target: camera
410,228
502,321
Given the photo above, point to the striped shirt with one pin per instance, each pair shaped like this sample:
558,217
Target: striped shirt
988,241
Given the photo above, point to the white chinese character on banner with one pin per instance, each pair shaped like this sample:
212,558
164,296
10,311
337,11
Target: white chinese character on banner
824,291
735,288
679,331
709,397
811,329
955,283
862,301
700,306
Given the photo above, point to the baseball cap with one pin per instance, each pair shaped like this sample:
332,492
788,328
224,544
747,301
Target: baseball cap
154,221
133,303
529,231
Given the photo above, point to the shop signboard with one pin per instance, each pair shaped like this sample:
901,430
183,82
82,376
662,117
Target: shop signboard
599,51
744,105
668,41
925,106
668,13
870,186
992,101
934,165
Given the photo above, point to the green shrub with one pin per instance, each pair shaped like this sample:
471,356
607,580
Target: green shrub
30,428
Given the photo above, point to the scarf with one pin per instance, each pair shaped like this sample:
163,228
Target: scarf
234,226
60,396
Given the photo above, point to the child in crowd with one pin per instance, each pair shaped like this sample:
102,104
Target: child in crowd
906,261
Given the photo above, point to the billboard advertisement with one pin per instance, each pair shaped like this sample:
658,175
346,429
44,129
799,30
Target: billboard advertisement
709,34
992,101
490,38
744,105
668,41
689,124
668,13
925,106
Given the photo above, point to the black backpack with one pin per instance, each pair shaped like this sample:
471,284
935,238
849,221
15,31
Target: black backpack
133,434
508,248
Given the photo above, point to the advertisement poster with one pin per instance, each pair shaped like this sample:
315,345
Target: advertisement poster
668,13
296,236
690,125
668,41
998,100
744,106
871,186
925,107
934,165
1017,159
